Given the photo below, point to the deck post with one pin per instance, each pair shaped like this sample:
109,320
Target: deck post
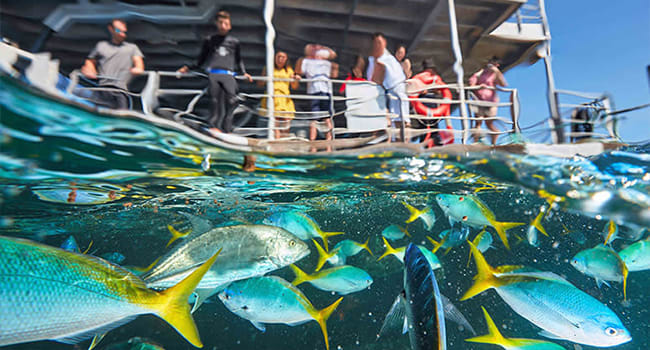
556,121
269,7
458,68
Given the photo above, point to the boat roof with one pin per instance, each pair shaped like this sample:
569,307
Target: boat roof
169,32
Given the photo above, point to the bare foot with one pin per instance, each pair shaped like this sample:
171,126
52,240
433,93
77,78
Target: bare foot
249,163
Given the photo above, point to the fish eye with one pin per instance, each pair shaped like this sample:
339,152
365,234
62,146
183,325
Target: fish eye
611,331
465,218
244,307
292,243
460,199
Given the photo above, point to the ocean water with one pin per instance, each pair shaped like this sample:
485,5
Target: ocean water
118,183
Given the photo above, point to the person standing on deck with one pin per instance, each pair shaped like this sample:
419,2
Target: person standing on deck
283,106
114,62
405,62
489,76
384,69
317,65
221,57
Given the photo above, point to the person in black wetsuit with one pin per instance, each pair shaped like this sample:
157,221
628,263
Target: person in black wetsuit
221,57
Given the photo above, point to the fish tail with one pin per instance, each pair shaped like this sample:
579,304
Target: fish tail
414,212
493,336
475,242
502,227
406,232
176,234
538,223
323,255
321,317
301,276
625,272
144,269
612,230
429,220
435,243
389,250
484,278
364,245
324,235
171,305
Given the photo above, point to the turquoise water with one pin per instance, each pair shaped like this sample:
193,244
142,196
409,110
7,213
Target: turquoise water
119,183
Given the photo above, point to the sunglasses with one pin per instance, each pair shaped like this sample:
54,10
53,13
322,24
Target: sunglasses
119,31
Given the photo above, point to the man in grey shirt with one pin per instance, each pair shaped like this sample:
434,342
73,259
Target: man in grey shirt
114,62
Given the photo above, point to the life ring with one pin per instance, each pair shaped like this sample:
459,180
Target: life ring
443,109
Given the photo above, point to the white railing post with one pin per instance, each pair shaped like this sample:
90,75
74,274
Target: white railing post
458,68
269,6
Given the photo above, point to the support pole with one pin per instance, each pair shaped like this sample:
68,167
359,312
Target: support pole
269,7
458,68
556,121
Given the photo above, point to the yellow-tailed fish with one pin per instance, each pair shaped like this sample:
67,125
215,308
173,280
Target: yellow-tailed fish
534,227
602,263
323,256
301,225
495,337
347,248
343,279
176,234
399,254
395,232
482,242
49,293
427,215
612,232
470,210
270,299
551,303
637,256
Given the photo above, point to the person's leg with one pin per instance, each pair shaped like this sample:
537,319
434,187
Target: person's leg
121,100
231,101
489,123
216,98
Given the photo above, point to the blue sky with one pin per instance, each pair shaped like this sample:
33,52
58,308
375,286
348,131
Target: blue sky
597,46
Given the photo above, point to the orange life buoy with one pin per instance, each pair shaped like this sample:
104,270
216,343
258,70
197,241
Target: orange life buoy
443,109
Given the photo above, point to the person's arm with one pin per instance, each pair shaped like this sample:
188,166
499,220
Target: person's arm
138,65
200,60
240,63
473,80
89,69
378,73
334,72
501,80
299,66
407,68
261,83
332,53
294,84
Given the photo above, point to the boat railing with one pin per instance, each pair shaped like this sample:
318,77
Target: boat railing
585,113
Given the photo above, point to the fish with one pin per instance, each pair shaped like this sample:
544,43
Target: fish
343,280
427,215
114,257
395,232
419,304
47,293
577,236
176,234
471,211
534,227
551,303
495,337
611,234
70,245
135,343
347,248
248,251
637,256
482,242
270,299
455,236
399,254
602,263
301,225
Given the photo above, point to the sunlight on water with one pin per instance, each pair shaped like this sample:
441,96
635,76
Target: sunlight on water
120,183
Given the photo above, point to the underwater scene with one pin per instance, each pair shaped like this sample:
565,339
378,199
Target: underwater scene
553,249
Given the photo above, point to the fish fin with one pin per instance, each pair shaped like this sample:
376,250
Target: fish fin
538,223
494,335
88,248
486,278
96,339
389,249
394,318
301,276
260,326
625,273
201,295
436,245
453,314
144,270
365,246
413,212
85,334
176,234
547,334
600,282
428,217
321,317
502,227
171,304
323,255
405,326
406,232
447,251
324,235
611,234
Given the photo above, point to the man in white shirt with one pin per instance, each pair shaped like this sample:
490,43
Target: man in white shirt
317,65
384,69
